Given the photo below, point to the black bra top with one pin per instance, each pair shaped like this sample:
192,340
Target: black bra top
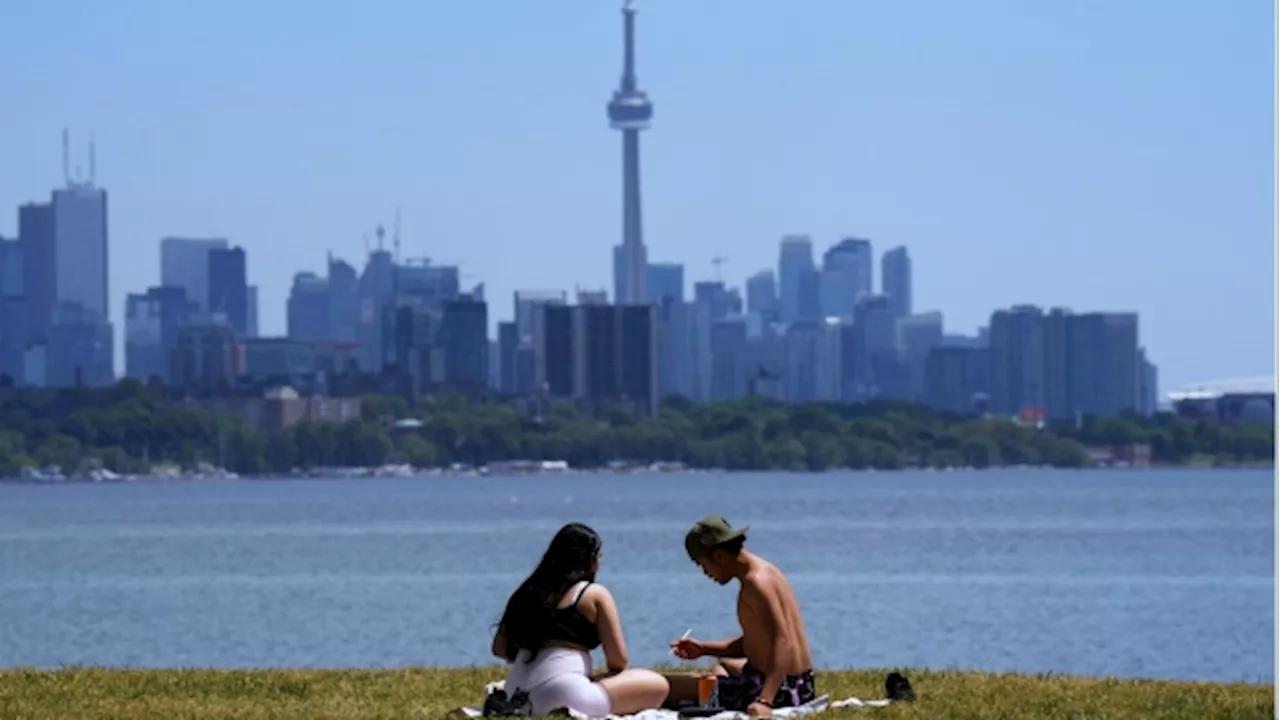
570,626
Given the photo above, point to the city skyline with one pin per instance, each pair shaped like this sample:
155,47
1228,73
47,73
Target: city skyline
1170,300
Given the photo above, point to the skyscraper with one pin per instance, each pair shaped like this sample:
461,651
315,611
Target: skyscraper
630,112
39,277
80,246
797,279
665,280
251,311
895,280
228,292
184,263
846,276
762,295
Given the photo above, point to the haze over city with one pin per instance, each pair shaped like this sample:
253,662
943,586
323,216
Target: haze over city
1088,155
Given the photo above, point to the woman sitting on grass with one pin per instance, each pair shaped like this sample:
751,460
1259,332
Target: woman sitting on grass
553,621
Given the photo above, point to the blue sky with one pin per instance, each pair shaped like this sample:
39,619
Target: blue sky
1097,155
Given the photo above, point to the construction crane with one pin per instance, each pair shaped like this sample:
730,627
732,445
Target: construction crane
718,261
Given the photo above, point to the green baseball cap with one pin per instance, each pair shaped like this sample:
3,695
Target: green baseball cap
709,532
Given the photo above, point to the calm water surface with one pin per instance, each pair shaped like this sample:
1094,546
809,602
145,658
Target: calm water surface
1151,574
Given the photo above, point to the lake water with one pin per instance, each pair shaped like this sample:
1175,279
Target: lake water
1165,574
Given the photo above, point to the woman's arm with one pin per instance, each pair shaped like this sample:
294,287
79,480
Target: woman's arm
610,627
499,647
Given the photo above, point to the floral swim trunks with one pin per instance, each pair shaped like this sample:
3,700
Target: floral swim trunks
738,691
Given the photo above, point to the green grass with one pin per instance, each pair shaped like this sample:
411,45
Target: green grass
432,693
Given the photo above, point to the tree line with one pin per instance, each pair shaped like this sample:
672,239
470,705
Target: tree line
128,428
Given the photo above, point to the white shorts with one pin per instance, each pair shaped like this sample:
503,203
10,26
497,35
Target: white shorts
558,678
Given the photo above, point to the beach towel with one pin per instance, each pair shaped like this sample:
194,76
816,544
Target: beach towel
812,708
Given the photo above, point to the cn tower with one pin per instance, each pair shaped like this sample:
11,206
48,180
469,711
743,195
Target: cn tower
630,112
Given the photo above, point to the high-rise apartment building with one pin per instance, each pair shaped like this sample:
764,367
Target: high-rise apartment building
895,280
1017,374
1064,365
601,355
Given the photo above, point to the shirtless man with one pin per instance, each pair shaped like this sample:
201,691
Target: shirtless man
769,665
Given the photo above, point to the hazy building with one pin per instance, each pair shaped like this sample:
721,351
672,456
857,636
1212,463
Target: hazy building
830,361
39,271
13,310
228,290
184,263
796,279
762,295
464,341
307,311
846,276
1057,364
877,345
207,355
956,378
666,280
1105,363
917,335
800,365
79,348
505,353
1149,389
1017,360
80,247
278,358
251,311
720,300
344,301
151,325
528,317
895,280
601,355
730,361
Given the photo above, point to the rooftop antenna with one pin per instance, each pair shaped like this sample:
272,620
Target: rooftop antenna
395,236
380,233
718,261
93,163
66,156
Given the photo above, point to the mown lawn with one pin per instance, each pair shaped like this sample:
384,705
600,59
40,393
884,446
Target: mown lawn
433,692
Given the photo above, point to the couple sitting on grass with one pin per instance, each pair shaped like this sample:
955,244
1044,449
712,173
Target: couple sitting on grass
560,614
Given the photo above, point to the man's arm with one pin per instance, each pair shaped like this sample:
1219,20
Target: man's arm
724,648
769,610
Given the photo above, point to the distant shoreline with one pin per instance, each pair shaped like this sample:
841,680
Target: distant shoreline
387,472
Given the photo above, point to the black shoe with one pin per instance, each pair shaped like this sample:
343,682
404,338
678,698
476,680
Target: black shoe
499,705
898,688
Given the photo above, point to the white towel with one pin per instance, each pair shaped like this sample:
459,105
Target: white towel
811,708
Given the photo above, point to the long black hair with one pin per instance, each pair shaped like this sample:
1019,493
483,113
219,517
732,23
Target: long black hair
569,559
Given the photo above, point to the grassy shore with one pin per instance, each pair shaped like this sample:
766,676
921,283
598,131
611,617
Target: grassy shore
432,693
